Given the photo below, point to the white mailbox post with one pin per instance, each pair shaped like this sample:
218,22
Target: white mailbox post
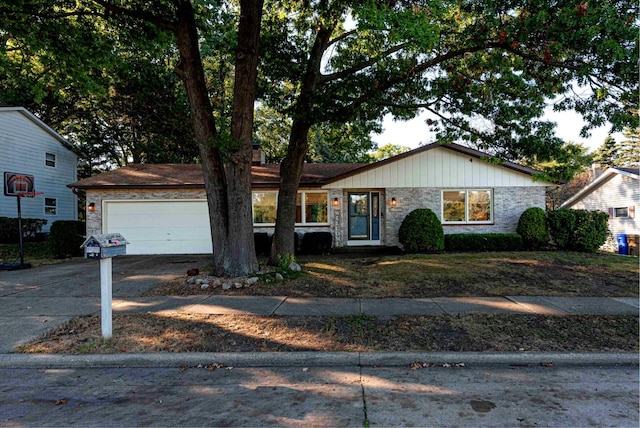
104,247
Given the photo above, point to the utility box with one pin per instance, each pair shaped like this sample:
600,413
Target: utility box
105,246
633,242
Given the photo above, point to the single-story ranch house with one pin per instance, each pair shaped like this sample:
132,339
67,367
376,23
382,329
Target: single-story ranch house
162,209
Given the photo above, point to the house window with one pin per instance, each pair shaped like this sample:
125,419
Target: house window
621,212
467,206
50,206
314,207
264,207
311,208
50,159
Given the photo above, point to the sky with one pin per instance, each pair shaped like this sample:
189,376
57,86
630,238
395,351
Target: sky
415,132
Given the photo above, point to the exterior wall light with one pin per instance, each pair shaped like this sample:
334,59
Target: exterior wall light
394,202
92,207
335,202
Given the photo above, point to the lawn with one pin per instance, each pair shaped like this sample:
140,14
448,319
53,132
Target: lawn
35,253
468,274
446,275
357,333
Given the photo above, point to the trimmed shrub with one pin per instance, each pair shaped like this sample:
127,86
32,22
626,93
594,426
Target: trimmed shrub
483,242
317,243
562,224
421,232
262,241
66,237
532,226
31,228
578,230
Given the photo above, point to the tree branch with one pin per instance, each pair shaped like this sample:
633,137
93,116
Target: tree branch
340,74
136,14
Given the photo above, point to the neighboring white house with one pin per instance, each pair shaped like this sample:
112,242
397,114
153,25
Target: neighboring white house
615,192
162,208
34,156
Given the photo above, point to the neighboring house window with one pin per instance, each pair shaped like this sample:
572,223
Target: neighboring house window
264,207
311,208
622,212
50,206
50,159
467,206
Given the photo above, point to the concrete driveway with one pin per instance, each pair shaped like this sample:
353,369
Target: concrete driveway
33,301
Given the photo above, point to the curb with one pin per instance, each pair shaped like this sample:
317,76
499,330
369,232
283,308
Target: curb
313,359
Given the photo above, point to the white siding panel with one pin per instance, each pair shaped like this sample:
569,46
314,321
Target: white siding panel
438,167
23,145
160,227
619,192
436,176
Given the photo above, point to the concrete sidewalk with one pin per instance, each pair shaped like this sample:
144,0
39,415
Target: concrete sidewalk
318,306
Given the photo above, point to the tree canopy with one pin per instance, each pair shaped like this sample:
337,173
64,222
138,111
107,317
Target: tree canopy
620,154
484,70
102,72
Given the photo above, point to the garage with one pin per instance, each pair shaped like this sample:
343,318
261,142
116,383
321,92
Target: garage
160,226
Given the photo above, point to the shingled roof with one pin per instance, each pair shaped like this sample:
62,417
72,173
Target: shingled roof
263,176
190,176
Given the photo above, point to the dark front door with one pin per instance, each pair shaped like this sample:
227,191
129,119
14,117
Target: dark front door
364,216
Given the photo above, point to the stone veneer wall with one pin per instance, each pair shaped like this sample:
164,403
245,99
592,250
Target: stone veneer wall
508,204
94,219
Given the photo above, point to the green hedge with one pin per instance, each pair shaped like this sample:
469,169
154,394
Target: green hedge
578,230
9,229
317,243
483,242
66,237
421,232
532,226
262,241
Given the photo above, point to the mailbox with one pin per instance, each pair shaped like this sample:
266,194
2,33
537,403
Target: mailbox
105,246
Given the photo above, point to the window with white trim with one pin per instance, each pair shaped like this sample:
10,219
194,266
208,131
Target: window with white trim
311,208
264,207
622,212
50,159
467,206
50,206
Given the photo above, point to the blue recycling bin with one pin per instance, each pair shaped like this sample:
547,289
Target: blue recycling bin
623,247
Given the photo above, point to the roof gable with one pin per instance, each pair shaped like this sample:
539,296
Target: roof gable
604,178
31,117
437,165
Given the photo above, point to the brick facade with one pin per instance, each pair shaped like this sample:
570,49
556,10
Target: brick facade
508,204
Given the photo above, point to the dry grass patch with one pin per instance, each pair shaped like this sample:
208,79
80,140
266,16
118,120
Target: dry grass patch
448,275
232,333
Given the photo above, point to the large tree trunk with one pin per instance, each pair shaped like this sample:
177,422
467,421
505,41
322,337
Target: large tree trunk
292,164
290,172
238,164
228,189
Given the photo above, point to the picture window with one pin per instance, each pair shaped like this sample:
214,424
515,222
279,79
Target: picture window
467,206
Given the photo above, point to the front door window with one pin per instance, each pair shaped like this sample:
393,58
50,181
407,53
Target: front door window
364,216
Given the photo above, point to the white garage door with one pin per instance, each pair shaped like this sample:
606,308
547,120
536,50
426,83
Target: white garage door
160,227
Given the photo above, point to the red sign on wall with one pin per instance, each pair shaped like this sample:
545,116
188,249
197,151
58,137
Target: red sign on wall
15,183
